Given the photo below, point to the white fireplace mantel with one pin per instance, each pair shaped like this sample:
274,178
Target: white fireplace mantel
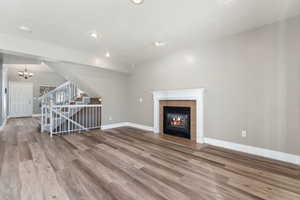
186,94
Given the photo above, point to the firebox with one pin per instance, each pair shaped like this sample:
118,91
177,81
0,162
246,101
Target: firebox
177,121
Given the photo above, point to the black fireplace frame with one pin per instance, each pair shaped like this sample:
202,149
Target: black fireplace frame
177,110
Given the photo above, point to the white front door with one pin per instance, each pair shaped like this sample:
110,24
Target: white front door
20,99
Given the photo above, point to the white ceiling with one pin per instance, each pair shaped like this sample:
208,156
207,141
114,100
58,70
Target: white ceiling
128,31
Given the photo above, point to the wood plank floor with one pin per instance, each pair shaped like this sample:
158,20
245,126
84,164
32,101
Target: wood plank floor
127,163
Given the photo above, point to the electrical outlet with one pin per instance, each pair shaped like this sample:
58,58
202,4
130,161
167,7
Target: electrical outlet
110,118
244,133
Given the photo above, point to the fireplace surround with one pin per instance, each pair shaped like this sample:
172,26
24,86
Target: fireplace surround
195,95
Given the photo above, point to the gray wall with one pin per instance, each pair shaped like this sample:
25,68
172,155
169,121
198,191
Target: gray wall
39,78
1,92
4,95
252,82
111,86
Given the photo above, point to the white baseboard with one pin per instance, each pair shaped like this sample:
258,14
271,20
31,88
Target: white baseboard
276,155
36,115
140,126
115,125
122,124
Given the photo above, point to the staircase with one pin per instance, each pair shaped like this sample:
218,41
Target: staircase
67,109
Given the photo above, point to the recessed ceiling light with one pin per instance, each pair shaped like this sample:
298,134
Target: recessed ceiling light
107,55
94,35
25,28
137,2
159,44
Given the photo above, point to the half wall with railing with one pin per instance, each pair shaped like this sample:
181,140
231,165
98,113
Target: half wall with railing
67,109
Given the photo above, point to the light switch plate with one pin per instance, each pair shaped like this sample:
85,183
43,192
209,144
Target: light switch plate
244,133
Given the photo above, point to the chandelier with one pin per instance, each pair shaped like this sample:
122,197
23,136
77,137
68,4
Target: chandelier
25,74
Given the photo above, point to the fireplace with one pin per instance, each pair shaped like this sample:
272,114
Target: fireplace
192,98
177,121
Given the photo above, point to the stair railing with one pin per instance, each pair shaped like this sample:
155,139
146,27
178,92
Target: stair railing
60,114
74,118
63,94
